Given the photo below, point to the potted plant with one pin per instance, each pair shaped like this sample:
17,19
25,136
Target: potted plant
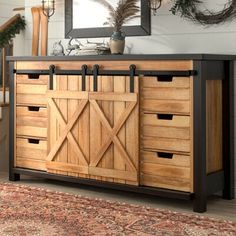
125,11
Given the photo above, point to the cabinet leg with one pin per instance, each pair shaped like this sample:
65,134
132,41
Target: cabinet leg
228,192
200,204
14,177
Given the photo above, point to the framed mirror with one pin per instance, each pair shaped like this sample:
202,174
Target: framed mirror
85,19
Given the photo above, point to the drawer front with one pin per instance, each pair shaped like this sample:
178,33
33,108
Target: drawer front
31,94
165,182
166,106
166,170
165,158
165,93
175,145
32,79
165,126
31,121
168,82
169,120
31,153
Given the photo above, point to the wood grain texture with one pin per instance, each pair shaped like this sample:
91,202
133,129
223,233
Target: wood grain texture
30,94
165,182
105,130
36,30
31,123
176,160
132,131
68,108
214,125
177,82
25,79
119,87
152,119
165,93
174,145
167,65
44,33
166,170
31,155
166,132
166,106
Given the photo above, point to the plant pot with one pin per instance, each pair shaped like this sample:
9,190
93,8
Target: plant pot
117,43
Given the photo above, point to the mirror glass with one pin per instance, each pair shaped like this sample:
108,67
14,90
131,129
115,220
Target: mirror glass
86,18
82,7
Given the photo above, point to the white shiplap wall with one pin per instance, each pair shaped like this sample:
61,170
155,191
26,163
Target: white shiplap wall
6,12
170,34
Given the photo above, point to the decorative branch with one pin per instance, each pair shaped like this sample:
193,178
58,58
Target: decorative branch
125,11
8,33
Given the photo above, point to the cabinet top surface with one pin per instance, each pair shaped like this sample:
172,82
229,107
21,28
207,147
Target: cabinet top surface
126,57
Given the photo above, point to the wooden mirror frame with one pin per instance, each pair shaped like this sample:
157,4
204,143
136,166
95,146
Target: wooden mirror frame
139,30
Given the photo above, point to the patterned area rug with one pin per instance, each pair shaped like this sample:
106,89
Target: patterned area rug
27,211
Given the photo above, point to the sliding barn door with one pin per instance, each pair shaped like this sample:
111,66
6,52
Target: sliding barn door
68,138
114,141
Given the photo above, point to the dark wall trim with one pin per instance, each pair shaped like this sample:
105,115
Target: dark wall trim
139,30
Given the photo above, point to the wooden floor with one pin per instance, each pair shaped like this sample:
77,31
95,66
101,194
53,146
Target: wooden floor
217,207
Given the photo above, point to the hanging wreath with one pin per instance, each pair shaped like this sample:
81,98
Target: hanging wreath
189,10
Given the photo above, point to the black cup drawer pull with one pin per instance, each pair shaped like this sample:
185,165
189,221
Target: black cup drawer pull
165,78
35,109
33,141
165,117
165,155
33,76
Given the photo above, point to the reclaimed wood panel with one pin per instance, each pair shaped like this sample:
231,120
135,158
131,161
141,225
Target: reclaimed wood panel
165,93
105,132
167,65
175,82
155,157
31,153
166,106
174,145
165,182
214,123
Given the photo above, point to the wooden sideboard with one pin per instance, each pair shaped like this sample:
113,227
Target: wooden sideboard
156,124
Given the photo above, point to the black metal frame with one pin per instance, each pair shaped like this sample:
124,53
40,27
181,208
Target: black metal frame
139,30
204,184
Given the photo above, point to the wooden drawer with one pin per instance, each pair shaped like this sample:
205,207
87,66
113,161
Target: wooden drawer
165,93
166,106
31,153
165,158
166,126
31,94
165,182
168,82
166,170
32,79
167,144
165,173
31,121
168,120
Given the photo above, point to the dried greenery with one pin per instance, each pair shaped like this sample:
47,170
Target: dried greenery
125,11
8,34
189,10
